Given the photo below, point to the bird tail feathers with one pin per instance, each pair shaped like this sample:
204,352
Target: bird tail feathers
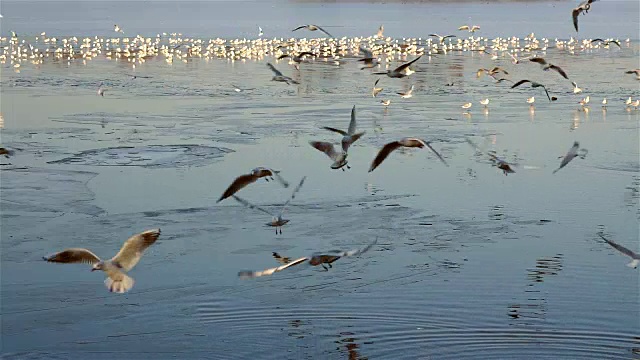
119,285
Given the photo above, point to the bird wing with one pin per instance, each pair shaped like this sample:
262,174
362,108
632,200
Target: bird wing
448,36
237,184
377,81
616,42
293,196
575,14
404,66
74,255
250,205
283,56
367,53
463,27
559,70
324,31
325,147
352,123
436,35
273,68
437,154
254,274
475,27
354,252
570,155
620,248
280,179
299,27
546,92
597,39
383,153
305,53
132,250
519,83
281,259
341,132
538,60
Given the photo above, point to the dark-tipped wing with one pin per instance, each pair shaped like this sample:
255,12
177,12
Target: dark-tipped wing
299,27
254,274
437,154
324,31
575,14
519,83
273,68
134,247
560,71
237,184
75,255
546,92
250,205
283,56
404,66
341,132
620,248
538,60
325,147
293,195
352,123
383,153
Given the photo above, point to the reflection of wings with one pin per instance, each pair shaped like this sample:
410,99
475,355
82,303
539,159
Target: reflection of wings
293,195
250,205
620,248
275,71
254,274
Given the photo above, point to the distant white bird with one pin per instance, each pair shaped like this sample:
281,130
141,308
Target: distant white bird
350,136
404,142
634,256
246,179
339,157
628,101
442,38
466,106
376,90
406,94
115,268
260,33
531,100
101,90
604,102
471,29
484,102
576,89
573,153
278,221
315,259
385,102
380,33
312,27
117,29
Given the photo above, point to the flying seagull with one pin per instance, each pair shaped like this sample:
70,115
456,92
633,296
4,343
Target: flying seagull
636,72
339,157
607,42
573,153
380,32
534,85
407,94
246,179
279,77
547,66
471,29
278,222
634,256
442,38
115,268
506,167
376,90
583,7
312,27
404,142
350,136
399,71
297,59
369,60
260,33
313,260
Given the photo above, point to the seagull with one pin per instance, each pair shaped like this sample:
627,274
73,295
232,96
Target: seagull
636,72
376,90
471,29
117,267
576,89
279,77
246,179
339,158
573,152
547,66
260,33
278,222
466,105
634,256
297,59
497,162
311,27
407,94
313,260
380,33
350,136
584,102
491,72
534,85
607,42
404,142
117,29
368,59
628,101
604,103
485,102
101,90
385,102
398,72
442,38
584,6
531,100
6,152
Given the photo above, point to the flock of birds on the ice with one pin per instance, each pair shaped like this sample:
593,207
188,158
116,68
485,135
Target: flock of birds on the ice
335,51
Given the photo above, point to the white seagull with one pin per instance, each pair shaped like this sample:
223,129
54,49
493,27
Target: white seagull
350,136
573,153
115,268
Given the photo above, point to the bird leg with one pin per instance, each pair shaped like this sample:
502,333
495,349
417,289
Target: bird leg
325,268
348,167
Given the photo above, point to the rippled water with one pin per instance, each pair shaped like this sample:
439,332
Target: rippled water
469,263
